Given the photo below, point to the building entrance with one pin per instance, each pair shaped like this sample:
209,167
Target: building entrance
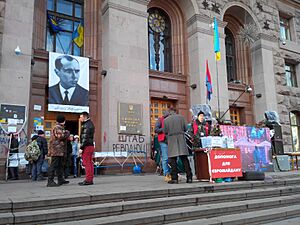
157,108
72,123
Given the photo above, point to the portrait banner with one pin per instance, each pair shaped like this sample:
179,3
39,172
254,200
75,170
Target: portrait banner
68,83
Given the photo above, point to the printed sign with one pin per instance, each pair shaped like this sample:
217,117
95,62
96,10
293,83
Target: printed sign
130,119
225,163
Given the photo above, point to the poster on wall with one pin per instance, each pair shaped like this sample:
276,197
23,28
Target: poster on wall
255,146
12,114
68,83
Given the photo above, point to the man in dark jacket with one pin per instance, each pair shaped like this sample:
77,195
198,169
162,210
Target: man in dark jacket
36,172
87,147
175,127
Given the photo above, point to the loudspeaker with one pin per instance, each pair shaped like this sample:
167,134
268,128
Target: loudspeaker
278,147
277,132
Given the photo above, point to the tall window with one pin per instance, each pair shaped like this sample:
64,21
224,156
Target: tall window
159,34
235,116
285,32
68,14
290,75
230,55
295,126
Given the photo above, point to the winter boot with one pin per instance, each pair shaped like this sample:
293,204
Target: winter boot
51,183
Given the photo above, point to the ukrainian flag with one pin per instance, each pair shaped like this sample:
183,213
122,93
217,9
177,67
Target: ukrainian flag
54,24
216,40
77,35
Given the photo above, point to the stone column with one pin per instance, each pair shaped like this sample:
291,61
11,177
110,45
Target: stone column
15,70
263,77
200,49
125,58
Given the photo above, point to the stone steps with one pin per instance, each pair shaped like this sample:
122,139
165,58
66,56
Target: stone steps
255,217
171,204
237,212
45,202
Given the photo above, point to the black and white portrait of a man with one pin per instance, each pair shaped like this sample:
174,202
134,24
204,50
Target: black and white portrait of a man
68,82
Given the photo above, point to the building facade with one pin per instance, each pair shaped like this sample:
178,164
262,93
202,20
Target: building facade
145,55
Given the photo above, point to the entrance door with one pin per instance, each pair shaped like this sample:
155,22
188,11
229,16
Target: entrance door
157,108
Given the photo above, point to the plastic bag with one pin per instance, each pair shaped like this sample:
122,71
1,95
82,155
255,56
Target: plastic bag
45,166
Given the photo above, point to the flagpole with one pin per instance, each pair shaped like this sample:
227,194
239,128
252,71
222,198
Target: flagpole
218,96
217,58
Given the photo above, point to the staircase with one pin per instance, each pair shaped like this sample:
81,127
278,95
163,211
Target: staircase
239,202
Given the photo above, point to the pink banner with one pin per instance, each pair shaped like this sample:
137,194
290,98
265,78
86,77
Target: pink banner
255,146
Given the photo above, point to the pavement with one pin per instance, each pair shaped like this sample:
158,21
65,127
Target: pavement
24,190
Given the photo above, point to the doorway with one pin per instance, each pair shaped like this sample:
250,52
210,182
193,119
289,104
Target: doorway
157,108
72,126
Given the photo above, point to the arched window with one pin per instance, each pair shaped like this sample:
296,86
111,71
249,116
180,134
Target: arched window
230,55
159,33
295,130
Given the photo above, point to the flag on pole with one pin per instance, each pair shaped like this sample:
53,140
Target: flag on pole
54,24
77,35
216,40
208,83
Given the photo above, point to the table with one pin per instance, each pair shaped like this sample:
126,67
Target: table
293,155
211,163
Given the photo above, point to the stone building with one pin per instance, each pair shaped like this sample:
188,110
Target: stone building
148,54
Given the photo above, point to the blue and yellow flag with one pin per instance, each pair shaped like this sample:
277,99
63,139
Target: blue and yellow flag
77,35
216,40
54,24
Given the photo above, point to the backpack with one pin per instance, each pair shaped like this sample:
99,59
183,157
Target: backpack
32,151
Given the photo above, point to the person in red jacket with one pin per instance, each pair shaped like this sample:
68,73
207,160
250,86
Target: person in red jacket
201,128
159,129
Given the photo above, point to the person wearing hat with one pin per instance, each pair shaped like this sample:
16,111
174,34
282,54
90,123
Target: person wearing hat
57,150
36,171
201,128
75,149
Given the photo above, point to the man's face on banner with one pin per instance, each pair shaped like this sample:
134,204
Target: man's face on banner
69,73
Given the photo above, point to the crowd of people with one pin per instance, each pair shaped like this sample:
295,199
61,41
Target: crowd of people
171,129
63,153
65,149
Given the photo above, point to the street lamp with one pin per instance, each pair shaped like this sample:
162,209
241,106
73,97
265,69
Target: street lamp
248,89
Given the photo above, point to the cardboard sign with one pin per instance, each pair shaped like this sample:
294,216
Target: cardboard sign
225,163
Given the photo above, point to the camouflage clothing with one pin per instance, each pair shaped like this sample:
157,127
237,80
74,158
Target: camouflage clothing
58,141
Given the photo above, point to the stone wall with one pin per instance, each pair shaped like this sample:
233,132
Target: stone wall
2,11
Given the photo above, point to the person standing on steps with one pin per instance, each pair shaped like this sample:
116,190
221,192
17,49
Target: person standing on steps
87,148
36,173
159,129
57,149
175,127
